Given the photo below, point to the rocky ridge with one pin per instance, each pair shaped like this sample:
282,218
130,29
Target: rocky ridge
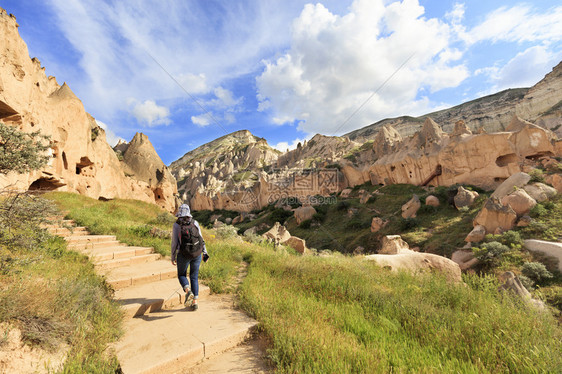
82,160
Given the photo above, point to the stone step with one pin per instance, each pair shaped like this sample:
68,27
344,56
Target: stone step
148,272
85,246
170,341
116,252
65,232
151,297
127,261
90,239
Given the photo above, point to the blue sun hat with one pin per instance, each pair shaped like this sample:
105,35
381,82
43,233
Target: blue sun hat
183,211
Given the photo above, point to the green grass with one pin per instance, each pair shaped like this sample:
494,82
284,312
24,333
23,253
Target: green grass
55,298
341,315
345,315
130,220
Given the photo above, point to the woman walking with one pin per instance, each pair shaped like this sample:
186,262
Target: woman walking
188,248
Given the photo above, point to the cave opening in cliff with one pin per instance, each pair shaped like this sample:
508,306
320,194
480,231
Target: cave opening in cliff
158,194
6,110
507,159
84,162
64,161
537,156
45,184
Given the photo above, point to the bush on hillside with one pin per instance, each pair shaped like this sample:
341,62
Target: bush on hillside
490,254
20,151
226,232
537,272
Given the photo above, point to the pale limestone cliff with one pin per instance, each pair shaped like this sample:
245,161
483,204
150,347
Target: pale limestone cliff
82,160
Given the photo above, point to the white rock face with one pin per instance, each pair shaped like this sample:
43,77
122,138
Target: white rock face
552,249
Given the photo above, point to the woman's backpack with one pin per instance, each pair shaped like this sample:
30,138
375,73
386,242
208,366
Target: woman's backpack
191,243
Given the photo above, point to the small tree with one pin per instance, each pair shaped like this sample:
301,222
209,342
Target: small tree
20,151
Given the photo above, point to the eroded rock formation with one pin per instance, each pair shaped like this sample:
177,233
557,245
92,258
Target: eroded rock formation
82,160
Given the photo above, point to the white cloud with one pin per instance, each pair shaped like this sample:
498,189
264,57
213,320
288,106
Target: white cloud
150,114
523,70
284,146
520,23
335,64
201,120
110,136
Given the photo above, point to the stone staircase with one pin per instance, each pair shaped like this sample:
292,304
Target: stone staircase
161,335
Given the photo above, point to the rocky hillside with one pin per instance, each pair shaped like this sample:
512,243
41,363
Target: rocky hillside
82,160
217,175
540,103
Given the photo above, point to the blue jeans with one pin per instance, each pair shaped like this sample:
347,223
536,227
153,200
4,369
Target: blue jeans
193,264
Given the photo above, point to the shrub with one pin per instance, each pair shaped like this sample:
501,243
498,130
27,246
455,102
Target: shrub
536,272
490,254
510,238
538,211
226,232
408,224
537,175
164,219
427,209
20,151
279,215
343,205
306,224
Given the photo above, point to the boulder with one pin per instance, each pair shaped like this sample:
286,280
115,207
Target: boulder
277,234
524,221
464,258
304,213
550,249
517,180
228,221
297,244
217,224
393,244
345,193
464,197
364,197
377,223
461,129
251,231
416,262
540,191
237,220
432,200
514,285
476,235
519,201
494,215
555,180
410,209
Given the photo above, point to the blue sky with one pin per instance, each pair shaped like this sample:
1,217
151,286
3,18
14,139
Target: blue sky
185,72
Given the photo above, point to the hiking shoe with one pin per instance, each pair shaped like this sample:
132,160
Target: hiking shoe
194,307
188,298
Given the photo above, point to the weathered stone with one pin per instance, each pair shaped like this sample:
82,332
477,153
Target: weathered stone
82,160
551,249
364,197
461,129
465,259
432,200
386,141
416,262
297,244
464,197
237,220
393,244
540,191
519,201
377,223
251,231
278,234
304,213
476,235
517,180
228,220
524,221
345,193
494,215
513,284
410,209
217,224
555,180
